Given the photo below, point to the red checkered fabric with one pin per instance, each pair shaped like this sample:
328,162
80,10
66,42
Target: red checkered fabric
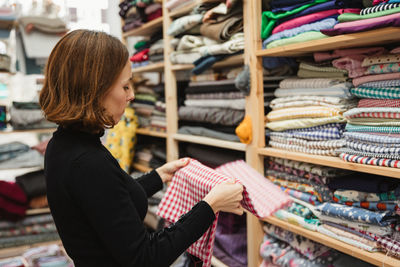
192,183
370,103
389,245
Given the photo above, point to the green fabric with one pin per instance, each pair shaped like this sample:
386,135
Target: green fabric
372,129
140,44
352,17
304,73
302,37
146,97
269,18
378,93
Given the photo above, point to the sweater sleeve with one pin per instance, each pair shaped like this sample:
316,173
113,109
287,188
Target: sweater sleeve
98,189
151,182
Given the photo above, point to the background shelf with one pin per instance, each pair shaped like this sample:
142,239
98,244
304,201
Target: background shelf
145,131
146,29
210,141
152,67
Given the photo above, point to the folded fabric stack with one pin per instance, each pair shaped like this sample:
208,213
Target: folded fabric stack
34,186
151,155
380,15
7,18
172,5
16,155
28,115
372,131
51,256
148,50
135,13
307,116
209,34
30,230
290,22
216,106
283,248
306,184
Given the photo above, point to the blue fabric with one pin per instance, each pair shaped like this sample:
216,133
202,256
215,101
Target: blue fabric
329,126
357,214
379,84
326,134
316,26
371,138
276,62
204,63
393,1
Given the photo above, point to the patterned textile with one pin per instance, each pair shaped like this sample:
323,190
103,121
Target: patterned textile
373,112
372,129
368,154
301,195
328,134
302,123
367,103
371,138
370,161
328,126
368,236
370,205
289,217
328,91
380,84
372,245
301,244
301,211
330,144
375,77
383,68
376,60
296,186
378,8
383,218
278,170
390,245
222,95
293,83
191,183
343,195
378,93
296,148
302,112
374,122
372,148
301,101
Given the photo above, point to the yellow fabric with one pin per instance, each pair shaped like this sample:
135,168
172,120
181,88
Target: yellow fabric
302,123
121,139
244,130
302,112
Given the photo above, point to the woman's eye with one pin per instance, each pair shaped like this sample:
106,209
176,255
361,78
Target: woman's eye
126,88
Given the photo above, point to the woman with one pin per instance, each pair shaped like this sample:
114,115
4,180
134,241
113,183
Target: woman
98,208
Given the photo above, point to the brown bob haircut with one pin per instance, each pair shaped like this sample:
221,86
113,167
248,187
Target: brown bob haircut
79,72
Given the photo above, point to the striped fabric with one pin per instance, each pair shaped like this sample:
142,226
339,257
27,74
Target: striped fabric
331,144
328,126
373,148
378,93
302,112
293,83
380,84
372,129
370,160
368,154
369,103
377,8
302,123
382,139
373,112
322,135
296,148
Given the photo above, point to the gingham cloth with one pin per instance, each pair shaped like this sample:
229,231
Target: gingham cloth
330,144
323,135
389,245
373,148
378,93
328,126
192,183
373,112
372,129
382,139
370,161
380,84
368,154
370,103
296,148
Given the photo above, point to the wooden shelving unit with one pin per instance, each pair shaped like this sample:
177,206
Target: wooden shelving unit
145,131
141,167
155,67
36,131
229,62
37,211
209,141
217,263
146,29
376,258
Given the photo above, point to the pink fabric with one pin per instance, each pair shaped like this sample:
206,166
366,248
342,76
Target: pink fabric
365,51
377,2
296,22
370,103
377,77
352,64
192,183
395,50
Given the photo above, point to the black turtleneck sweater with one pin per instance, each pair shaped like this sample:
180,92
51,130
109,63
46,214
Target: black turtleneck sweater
99,209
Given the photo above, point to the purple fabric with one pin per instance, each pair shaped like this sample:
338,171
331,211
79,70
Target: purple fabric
364,25
230,245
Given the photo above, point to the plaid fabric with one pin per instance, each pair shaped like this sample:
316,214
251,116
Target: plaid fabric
380,84
369,103
302,112
379,93
192,183
373,112
368,154
327,134
382,139
330,144
373,148
328,126
372,129
296,148
370,160
390,245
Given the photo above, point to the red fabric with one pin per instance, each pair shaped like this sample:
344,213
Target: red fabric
140,56
377,2
12,209
370,102
154,15
192,183
13,192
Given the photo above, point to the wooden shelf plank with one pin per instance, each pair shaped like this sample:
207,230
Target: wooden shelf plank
210,141
37,131
231,61
37,211
335,162
146,29
145,131
217,263
19,250
376,258
141,167
359,39
152,67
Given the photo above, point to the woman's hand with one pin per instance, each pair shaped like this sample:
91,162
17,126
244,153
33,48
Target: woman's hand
226,197
168,170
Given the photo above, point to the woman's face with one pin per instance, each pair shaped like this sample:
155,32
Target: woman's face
118,96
